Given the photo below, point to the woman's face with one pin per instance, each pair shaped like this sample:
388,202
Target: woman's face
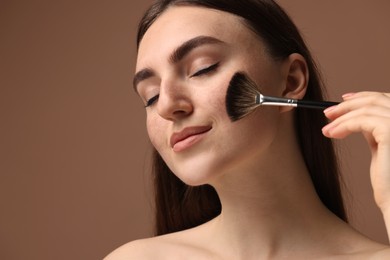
185,62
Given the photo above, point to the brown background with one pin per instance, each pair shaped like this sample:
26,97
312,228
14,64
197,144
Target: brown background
73,149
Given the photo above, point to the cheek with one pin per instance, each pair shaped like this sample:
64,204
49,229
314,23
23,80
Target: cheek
155,131
252,136
213,101
219,102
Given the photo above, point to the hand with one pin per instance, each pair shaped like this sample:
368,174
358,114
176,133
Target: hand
368,113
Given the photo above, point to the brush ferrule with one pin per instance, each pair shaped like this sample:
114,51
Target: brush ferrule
275,101
259,98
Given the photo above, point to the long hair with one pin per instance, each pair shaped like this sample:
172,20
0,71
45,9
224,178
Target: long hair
179,206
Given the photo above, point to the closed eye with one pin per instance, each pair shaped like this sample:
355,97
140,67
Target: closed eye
205,70
201,72
151,101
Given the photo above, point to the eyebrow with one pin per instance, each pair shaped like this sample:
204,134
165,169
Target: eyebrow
177,55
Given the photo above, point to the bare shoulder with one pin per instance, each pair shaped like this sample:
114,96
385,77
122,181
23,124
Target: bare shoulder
381,254
138,249
179,245
374,251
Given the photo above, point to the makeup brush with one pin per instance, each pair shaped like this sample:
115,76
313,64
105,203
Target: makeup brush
243,97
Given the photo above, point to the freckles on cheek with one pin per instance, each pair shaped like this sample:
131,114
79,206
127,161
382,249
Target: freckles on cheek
218,99
214,104
218,105
214,94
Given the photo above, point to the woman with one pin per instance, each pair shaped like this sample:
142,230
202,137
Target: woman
266,186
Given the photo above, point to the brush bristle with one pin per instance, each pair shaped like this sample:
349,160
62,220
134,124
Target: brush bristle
241,96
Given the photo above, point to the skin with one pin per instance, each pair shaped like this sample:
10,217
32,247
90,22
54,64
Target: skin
269,206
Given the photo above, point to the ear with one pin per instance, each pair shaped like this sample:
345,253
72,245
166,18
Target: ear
296,76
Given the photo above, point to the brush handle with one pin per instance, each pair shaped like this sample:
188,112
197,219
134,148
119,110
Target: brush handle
316,104
276,101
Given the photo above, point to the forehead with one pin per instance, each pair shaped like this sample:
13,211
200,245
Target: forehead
179,24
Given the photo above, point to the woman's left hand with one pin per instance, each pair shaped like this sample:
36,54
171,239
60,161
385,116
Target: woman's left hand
368,113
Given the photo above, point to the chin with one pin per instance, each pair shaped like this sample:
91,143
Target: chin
195,176
195,170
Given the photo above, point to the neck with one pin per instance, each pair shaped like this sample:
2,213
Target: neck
271,203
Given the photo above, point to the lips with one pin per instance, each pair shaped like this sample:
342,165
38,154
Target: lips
187,137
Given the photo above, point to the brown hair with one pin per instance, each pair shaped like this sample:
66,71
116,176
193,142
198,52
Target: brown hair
179,206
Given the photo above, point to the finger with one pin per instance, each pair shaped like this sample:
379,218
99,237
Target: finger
374,113
357,101
371,111
370,121
363,94
374,135
367,98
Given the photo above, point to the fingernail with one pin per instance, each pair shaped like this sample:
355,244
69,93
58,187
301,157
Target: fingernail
324,132
326,129
329,109
347,95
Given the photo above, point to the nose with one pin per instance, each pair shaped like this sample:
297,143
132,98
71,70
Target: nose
174,102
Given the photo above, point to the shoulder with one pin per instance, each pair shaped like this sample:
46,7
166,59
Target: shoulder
381,254
174,245
149,248
138,249
379,251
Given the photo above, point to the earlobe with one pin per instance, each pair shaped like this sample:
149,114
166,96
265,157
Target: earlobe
296,78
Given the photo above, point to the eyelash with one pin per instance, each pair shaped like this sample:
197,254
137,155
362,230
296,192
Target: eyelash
150,101
205,70
201,72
